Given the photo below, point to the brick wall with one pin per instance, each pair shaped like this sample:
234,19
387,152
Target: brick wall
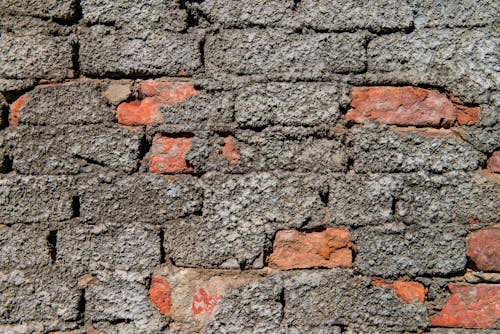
226,166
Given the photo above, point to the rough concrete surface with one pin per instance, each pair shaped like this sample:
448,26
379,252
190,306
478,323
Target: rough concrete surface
263,166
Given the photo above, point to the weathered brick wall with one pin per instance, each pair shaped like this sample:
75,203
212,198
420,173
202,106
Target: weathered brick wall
226,166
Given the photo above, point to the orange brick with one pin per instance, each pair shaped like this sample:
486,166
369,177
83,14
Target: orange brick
327,249
493,162
229,151
15,108
408,106
483,248
408,292
160,294
470,306
169,155
204,301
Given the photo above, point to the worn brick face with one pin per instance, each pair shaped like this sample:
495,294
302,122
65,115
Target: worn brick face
493,162
15,108
327,249
160,294
408,106
483,248
154,95
470,306
408,292
229,150
169,155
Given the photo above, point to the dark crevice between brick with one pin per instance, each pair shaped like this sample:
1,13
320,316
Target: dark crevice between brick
324,194
296,4
282,301
163,253
350,164
120,321
201,46
75,58
52,245
90,160
75,206
82,302
6,166
394,208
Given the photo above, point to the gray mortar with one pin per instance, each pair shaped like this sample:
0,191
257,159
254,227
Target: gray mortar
139,198
71,150
393,250
241,214
24,247
83,249
77,103
58,9
105,51
486,140
43,296
463,60
455,13
301,104
273,51
348,15
31,199
136,15
52,61
122,297
31,26
376,149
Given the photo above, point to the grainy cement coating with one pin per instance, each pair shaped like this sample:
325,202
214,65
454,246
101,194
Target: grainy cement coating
87,227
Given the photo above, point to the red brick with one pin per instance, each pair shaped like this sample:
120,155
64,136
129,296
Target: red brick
154,95
169,155
470,306
15,108
493,162
483,248
408,292
229,150
408,106
160,294
329,248
204,301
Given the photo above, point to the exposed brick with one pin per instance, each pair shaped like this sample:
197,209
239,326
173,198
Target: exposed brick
408,292
160,294
408,106
483,248
168,155
470,306
15,108
329,248
229,150
493,162
204,301
155,94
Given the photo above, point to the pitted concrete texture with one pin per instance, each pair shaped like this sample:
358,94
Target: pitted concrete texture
263,166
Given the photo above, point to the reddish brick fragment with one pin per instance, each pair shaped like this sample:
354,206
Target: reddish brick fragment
229,150
160,294
15,108
470,306
169,155
154,95
483,248
408,106
493,162
329,248
204,301
408,292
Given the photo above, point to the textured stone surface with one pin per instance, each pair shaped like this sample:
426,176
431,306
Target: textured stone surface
483,248
135,15
462,60
301,104
393,250
84,249
275,52
52,61
106,52
470,306
297,250
70,150
65,9
29,199
378,149
37,296
140,198
76,103
24,247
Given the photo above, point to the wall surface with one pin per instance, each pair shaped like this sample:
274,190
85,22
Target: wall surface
223,166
